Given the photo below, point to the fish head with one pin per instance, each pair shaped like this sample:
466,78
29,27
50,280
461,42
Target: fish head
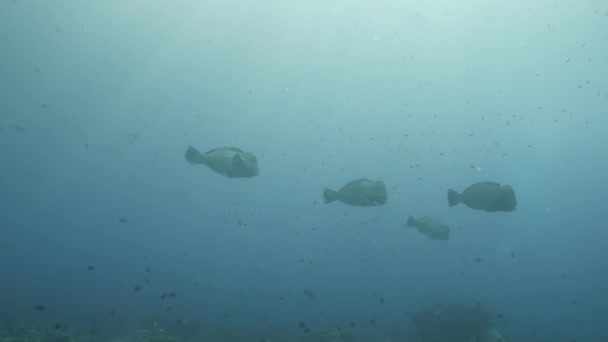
378,194
245,165
251,164
507,201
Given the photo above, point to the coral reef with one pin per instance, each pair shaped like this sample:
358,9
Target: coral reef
440,324
455,324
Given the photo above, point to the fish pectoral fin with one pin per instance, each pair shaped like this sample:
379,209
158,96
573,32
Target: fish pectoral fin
411,221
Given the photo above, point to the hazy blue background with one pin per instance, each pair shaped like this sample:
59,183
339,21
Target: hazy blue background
99,100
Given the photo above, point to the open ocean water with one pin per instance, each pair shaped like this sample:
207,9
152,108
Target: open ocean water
165,168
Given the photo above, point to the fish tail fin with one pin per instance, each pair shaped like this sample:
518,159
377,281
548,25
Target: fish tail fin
411,222
329,195
454,197
193,156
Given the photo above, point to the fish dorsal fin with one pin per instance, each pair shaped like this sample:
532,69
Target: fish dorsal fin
489,183
234,149
482,185
221,149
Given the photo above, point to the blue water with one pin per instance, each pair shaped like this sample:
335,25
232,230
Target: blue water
99,101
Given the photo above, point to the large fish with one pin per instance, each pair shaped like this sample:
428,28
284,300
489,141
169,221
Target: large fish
431,227
361,193
228,161
488,196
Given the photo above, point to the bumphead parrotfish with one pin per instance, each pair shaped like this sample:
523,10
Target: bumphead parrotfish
488,196
228,161
431,227
360,193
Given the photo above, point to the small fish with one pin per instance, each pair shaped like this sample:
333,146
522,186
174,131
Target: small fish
90,268
182,321
40,308
309,294
123,220
18,128
167,295
137,288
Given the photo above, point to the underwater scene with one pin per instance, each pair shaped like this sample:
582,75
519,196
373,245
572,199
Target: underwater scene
290,170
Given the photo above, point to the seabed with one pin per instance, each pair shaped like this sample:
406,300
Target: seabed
435,324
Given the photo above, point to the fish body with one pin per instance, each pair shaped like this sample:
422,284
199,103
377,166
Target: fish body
493,335
227,161
308,293
487,196
431,227
360,192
